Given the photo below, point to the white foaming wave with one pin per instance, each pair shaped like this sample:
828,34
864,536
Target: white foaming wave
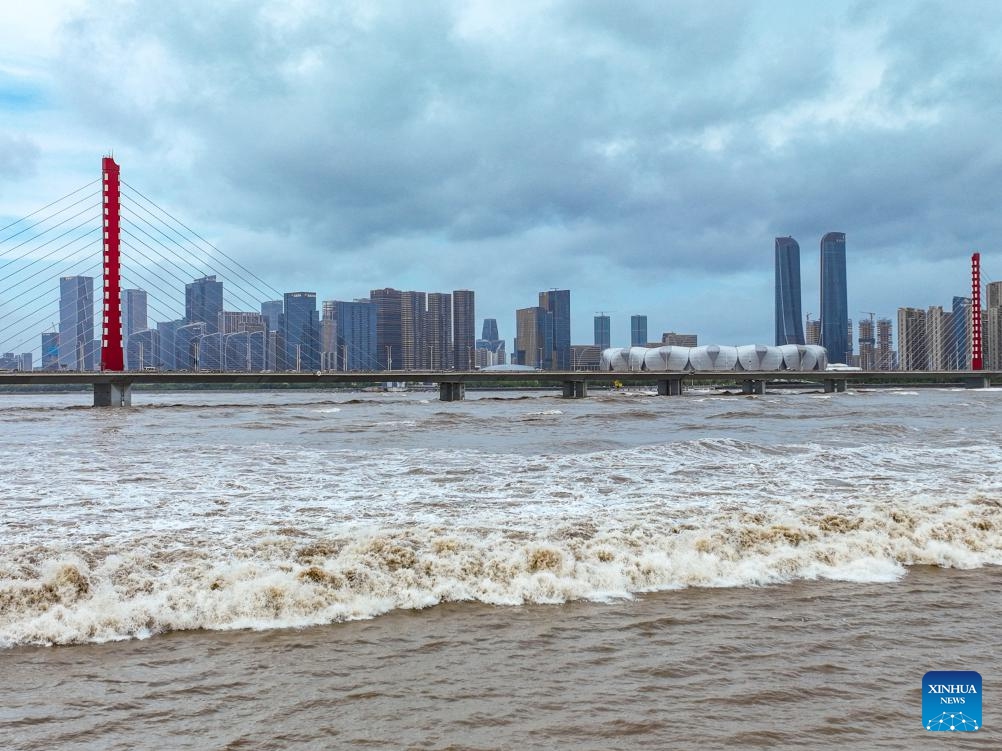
233,493
543,412
284,578
328,411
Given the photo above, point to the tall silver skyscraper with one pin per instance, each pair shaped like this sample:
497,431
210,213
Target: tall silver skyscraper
789,326
834,299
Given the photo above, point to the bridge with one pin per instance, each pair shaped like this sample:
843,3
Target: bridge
115,389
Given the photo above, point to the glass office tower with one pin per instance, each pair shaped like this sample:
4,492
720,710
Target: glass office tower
557,302
603,335
834,302
789,319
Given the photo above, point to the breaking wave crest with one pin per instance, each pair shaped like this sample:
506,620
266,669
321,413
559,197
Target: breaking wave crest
286,577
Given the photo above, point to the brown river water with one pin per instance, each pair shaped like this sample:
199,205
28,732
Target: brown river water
323,570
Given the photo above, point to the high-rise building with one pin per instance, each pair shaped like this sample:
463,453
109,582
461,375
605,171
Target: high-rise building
834,299
533,336
913,345
490,347
133,318
812,331
638,331
958,344
167,331
867,345
992,337
274,351
234,321
210,353
464,329
389,344
885,353
22,362
413,346
603,331
672,339
935,337
50,350
271,311
789,327
557,302
242,341
585,356
489,352
356,325
244,351
328,336
187,346
993,296
438,323
76,323
203,302
143,349
301,331
274,343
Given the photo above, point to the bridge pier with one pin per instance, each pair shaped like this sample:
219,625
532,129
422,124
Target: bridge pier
451,391
753,386
672,387
835,385
112,394
977,382
575,389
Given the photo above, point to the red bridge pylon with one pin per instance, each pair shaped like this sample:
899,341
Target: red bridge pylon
112,357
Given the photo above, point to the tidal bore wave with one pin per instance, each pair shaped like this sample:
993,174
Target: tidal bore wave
285,578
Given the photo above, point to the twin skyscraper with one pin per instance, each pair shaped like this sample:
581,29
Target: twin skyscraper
834,322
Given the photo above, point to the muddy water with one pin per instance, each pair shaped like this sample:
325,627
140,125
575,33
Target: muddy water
304,570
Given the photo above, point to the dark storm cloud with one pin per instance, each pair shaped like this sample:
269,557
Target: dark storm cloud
648,137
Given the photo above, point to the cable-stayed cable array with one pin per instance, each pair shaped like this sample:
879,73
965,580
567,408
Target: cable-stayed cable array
59,239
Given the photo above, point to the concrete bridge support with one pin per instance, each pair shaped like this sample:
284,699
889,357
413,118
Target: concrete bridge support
977,382
753,386
672,387
835,385
451,391
575,389
112,394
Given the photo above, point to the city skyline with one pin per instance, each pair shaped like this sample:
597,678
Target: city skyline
620,196
945,333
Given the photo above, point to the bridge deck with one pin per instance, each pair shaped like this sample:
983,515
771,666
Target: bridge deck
477,376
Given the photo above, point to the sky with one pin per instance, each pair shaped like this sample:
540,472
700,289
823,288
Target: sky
643,155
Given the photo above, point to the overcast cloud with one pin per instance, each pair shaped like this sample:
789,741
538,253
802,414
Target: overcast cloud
643,156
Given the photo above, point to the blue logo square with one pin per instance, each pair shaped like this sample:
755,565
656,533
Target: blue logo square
951,700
